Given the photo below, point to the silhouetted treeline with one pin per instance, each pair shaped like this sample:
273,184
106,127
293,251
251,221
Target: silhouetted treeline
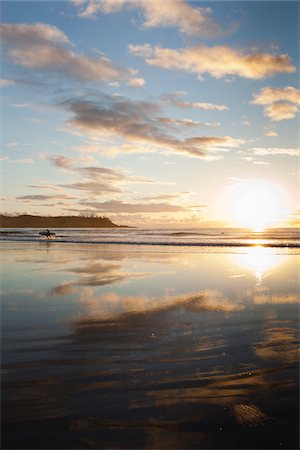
28,221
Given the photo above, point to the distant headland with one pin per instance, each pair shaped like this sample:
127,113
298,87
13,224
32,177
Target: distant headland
29,221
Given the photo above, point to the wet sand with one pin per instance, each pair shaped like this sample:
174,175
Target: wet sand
110,347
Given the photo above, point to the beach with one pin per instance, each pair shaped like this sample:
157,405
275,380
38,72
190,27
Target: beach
149,346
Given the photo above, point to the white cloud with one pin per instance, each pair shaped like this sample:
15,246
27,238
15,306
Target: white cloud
217,61
271,151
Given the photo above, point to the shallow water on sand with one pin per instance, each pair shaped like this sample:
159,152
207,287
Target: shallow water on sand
117,347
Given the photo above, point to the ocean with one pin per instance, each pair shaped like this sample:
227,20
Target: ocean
220,237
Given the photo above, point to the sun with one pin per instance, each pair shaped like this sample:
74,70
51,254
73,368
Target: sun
257,204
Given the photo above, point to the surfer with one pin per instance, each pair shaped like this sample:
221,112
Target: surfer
47,233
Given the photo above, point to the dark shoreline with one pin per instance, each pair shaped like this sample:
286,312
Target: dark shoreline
31,221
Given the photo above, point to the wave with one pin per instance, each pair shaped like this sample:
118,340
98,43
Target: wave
277,238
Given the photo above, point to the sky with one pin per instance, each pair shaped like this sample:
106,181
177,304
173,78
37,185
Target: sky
169,113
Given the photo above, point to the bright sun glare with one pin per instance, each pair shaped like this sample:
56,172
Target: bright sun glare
258,204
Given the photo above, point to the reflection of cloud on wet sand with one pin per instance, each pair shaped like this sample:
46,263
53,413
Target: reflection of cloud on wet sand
279,344
120,307
96,274
215,388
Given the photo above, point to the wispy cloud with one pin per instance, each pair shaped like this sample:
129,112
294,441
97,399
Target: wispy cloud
17,161
44,186
201,105
94,180
217,61
116,206
21,161
279,103
276,151
270,133
175,98
187,122
141,123
94,188
169,13
44,47
5,82
43,197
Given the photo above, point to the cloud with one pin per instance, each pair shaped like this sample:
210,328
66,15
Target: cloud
175,99
201,105
279,103
115,206
12,144
187,122
64,162
101,181
26,34
281,111
136,82
21,161
43,197
141,123
276,151
63,289
270,133
165,197
43,186
98,146
6,82
42,46
269,95
217,61
16,161
169,13
97,188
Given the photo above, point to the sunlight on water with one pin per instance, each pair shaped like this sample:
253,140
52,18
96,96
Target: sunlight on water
258,260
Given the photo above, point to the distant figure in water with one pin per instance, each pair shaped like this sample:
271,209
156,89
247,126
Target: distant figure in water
48,234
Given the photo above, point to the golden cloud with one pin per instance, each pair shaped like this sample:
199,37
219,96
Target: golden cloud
279,103
217,61
169,13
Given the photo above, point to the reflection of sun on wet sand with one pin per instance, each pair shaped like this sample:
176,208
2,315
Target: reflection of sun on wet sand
249,415
258,260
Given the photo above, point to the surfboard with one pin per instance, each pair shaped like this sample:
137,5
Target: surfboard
45,233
